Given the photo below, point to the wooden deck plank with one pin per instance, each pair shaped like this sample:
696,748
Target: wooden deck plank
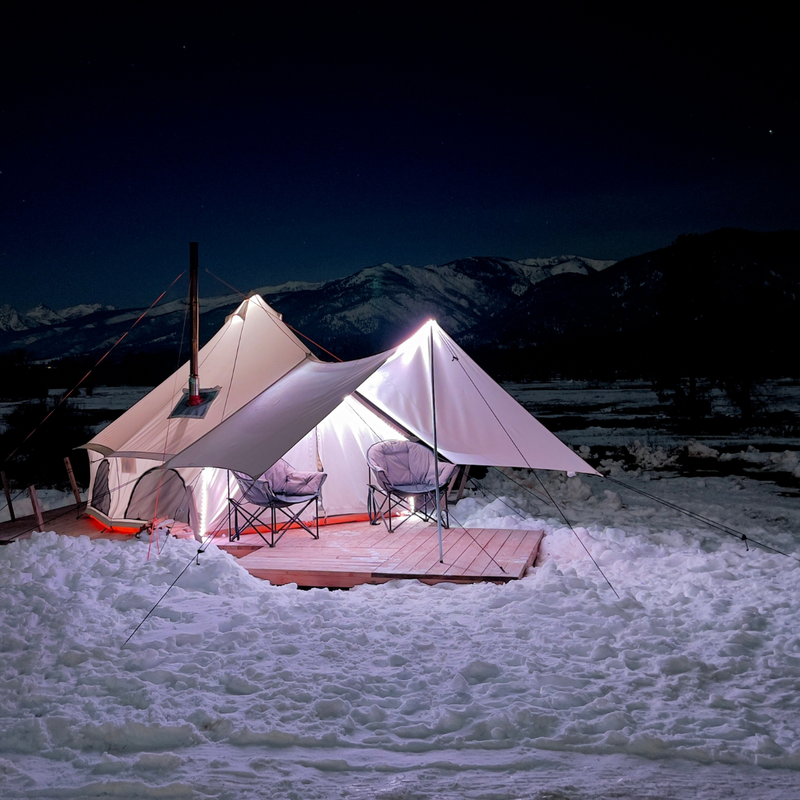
487,562
528,548
478,542
326,579
485,559
517,552
489,568
454,546
425,560
399,550
523,550
505,555
64,520
386,539
410,556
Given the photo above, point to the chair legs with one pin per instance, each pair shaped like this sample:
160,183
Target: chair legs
383,506
276,528
383,509
293,518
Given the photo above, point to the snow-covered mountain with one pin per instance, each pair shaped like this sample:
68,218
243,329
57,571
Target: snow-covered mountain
11,319
368,310
42,315
377,306
716,301
721,303
562,264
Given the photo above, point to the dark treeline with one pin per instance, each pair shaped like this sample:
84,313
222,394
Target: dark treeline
36,437
23,378
43,429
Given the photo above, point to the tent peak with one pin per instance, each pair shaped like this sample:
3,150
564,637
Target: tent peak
253,299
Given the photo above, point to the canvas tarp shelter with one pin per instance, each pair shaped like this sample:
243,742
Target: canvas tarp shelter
280,401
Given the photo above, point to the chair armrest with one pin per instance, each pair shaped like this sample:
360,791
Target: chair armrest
303,483
445,472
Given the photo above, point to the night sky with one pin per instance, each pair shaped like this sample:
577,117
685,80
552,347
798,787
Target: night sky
308,147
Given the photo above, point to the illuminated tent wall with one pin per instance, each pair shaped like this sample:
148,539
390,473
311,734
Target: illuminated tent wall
275,399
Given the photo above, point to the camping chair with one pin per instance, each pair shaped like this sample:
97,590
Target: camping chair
406,480
280,488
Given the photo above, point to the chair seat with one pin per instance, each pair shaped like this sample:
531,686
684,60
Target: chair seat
292,499
414,488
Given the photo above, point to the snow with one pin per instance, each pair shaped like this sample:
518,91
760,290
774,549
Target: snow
289,286
11,319
549,687
622,411
552,687
560,264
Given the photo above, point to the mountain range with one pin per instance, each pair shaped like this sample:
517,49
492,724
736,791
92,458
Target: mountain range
16,321
707,302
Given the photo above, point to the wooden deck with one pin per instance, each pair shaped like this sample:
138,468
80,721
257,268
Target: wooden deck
350,554
355,553
64,520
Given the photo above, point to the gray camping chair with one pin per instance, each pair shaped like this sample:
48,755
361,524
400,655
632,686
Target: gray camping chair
280,488
405,472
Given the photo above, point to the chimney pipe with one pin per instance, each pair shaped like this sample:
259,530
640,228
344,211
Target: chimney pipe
194,312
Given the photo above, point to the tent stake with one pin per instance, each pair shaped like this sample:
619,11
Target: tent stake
8,497
37,508
436,455
73,482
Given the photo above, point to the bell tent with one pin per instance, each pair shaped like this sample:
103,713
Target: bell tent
269,397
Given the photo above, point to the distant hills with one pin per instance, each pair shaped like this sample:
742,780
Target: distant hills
722,301
15,321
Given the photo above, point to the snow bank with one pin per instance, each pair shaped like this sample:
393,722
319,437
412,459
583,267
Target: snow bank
697,661
786,461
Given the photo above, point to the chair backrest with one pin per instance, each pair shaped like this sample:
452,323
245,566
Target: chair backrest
279,479
396,462
277,475
253,491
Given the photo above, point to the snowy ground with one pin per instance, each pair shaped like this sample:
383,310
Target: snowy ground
686,685
607,414
551,687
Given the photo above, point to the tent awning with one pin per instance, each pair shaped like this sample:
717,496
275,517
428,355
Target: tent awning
478,421
256,436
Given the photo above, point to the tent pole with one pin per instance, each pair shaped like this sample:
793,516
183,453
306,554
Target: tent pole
436,453
228,487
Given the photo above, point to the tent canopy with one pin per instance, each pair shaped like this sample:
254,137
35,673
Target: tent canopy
262,432
478,422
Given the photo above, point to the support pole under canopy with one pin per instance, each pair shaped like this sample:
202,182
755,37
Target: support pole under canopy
436,453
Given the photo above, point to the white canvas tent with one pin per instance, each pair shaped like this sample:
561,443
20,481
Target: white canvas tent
275,399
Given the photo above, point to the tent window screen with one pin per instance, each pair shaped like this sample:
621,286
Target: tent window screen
101,497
